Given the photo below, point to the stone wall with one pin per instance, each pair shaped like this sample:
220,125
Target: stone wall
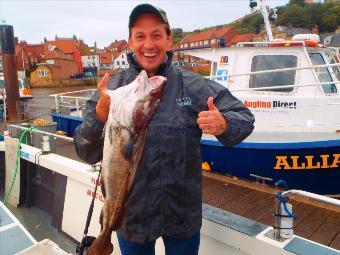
66,83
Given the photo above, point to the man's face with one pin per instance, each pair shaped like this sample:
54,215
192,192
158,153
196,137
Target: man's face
149,41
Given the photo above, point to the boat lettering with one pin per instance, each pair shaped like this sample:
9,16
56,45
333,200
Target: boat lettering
98,196
94,181
270,104
307,162
24,155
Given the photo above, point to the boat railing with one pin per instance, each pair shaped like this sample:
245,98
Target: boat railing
229,77
272,43
63,137
284,216
74,104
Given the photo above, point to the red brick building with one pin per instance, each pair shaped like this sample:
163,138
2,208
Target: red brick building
117,46
70,46
55,66
214,38
240,38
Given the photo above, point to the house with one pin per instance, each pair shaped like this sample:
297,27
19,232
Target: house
90,61
120,61
240,38
106,60
213,38
56,66
69,46
117,46
27,56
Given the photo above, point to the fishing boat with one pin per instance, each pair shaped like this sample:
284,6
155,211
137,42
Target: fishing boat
293,91
292,87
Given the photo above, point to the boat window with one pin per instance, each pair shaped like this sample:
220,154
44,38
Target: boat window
323,73
277,79
1,84
336,69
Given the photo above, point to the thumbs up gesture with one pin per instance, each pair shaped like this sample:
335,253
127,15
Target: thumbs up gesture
103,105
211,122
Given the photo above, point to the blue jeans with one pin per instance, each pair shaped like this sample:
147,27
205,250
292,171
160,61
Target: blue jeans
173,246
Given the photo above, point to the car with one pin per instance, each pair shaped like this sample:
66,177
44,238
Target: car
88,74
178,63
78,76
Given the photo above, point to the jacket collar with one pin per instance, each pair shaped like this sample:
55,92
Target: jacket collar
136,68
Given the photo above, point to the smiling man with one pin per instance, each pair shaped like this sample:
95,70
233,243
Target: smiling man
166,196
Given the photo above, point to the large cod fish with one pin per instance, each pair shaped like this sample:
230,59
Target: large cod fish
131,109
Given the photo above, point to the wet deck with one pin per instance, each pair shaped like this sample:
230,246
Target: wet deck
316,221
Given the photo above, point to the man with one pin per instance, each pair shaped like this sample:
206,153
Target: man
166,197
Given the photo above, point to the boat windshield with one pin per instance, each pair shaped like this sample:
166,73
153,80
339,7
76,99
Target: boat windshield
323,73
277,79
336,69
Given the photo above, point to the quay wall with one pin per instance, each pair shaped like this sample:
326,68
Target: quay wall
65,83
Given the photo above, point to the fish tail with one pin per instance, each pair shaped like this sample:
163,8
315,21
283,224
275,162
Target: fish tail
102,245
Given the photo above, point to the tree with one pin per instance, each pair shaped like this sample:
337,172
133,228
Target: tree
294,15
297,2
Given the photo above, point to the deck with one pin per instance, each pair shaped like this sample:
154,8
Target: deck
316,221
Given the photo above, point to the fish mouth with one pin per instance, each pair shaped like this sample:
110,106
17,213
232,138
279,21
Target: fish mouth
157,85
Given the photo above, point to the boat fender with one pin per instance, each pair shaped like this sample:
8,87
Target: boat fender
206,166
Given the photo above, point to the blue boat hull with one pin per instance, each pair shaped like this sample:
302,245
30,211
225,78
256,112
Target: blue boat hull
318,173
262,158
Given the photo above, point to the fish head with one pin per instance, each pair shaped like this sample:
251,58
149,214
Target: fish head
148,91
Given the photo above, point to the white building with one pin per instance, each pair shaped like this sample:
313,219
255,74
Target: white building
121,61
90,61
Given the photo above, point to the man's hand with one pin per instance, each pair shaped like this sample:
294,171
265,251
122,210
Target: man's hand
103,105
212,122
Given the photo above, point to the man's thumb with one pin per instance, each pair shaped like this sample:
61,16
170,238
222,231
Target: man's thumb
211,105
102,85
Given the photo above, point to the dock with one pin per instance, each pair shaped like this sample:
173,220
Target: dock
316,221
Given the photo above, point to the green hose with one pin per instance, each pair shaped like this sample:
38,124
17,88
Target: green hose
17,161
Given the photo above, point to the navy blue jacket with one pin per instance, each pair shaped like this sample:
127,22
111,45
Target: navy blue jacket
166,196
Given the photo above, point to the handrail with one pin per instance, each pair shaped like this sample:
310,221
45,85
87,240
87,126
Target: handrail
271,42
275,70
70,92
43,132
287,86
306,194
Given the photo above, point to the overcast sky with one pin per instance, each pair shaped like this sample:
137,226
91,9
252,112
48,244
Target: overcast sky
105,21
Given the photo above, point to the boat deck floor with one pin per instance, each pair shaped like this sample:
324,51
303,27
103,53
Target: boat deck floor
316,221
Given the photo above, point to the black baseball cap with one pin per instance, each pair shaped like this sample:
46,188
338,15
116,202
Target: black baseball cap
147,8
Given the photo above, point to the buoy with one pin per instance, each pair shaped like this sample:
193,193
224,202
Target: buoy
206,166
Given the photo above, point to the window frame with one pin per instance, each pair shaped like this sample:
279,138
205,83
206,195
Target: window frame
273,92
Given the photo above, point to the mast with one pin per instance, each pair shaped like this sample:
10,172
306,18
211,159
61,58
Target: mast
265,15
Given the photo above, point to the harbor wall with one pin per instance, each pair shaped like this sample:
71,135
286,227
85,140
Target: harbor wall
66,83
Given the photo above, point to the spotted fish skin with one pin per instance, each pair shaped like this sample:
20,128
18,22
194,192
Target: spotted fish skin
131,109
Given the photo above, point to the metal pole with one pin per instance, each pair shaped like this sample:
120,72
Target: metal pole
10,73
266,20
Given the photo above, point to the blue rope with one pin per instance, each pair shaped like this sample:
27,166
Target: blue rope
281,183
284,201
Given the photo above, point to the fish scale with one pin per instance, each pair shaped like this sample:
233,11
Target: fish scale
131,109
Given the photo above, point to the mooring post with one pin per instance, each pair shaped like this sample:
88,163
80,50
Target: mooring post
7,50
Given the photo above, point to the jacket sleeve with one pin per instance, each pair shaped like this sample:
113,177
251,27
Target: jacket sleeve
240,121
88,137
